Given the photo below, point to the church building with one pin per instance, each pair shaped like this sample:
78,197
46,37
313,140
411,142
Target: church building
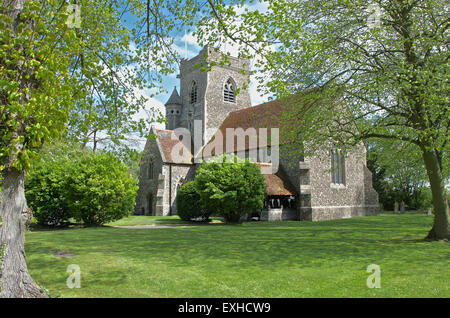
326,186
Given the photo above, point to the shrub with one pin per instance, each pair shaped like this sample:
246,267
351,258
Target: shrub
188,203
423,200
46,189
70,182
100,189
230,187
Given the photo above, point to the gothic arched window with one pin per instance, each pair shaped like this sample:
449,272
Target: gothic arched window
228,91
337,167
193,92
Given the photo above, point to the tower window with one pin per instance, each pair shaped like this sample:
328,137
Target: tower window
337,167
194,93
228,91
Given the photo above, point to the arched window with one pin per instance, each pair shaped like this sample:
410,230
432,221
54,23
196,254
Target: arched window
228,91
337,167
193,92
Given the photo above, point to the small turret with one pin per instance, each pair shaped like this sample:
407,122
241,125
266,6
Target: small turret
173,110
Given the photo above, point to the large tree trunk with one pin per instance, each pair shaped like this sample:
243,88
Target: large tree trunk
15,279
14,276
441,225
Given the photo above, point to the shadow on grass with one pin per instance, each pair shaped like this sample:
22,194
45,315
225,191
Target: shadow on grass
44,228
270,244
256,258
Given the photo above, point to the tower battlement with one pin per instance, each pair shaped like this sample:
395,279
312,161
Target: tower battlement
210,95
208,55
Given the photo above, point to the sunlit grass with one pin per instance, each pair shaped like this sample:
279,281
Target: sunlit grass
255,259
146,220
156,220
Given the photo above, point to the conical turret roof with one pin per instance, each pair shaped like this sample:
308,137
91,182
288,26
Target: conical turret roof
174,98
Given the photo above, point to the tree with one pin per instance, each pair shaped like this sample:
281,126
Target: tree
46,185
230,187
110,75
43,71
398,173
130,156
188,203
32,70
384,64
100,188
1,246
74,182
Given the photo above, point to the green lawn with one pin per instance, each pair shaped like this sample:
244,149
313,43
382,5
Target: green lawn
155,220
256,259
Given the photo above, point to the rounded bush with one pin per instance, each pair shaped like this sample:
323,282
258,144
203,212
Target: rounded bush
100,189
230,187
46,188
188,203
70,182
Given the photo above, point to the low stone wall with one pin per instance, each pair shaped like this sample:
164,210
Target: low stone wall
279,215
332,213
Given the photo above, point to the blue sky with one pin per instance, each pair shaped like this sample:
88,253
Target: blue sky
184,40
169,81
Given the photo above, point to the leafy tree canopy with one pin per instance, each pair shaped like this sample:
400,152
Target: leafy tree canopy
384,63
71,182
64,77
230,187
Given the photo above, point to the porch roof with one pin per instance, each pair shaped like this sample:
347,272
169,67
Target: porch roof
277,183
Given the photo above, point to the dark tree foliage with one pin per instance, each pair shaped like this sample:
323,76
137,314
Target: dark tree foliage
71,182
188,203
230,188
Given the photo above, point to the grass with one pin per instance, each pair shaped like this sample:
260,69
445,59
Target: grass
147,220
255,259
154,220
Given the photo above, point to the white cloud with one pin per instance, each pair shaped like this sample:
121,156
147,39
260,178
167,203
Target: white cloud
151,109
230,47
190,39
233,49
187,46
260,6
185,52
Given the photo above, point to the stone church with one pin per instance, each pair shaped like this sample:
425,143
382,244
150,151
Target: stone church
326,186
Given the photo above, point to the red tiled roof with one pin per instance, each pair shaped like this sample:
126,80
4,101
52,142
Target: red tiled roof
273,114
277,184
267,115
169,144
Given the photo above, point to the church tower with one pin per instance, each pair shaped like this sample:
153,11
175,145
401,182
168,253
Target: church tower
209,96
